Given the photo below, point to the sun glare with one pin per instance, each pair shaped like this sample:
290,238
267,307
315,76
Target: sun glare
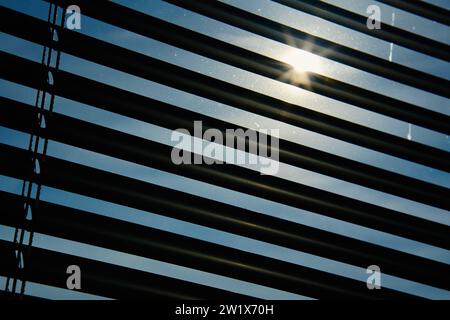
303,64
303,61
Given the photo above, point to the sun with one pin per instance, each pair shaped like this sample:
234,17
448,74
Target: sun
303,66
303,61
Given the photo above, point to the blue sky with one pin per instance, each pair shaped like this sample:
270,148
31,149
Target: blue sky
233,75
